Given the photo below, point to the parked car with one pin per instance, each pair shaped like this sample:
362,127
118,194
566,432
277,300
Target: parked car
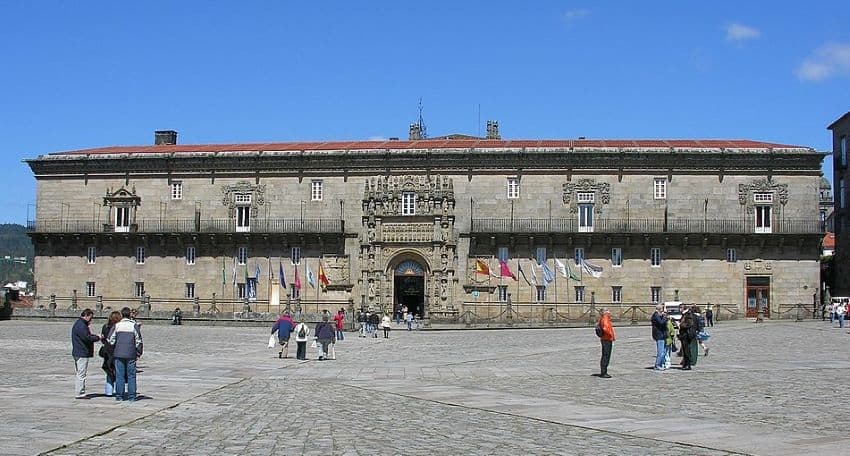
672,310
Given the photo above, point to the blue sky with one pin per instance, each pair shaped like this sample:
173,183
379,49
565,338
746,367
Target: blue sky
89,74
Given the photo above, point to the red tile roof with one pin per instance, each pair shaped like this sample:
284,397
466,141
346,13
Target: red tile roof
441,144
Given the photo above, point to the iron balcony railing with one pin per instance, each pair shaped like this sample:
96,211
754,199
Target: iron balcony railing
671,225
260,226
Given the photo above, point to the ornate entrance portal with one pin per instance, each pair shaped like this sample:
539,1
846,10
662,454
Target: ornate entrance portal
409,288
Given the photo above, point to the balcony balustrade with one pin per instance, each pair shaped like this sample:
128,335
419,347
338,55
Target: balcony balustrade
259,226
639,226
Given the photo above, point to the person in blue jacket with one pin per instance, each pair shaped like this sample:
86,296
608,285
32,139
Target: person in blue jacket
82,349
284,327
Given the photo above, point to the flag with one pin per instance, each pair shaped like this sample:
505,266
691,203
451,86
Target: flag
481,267
561,267
521,272
548,274
234,271
505,270
323,279
534,273
282,277
297,282
573,274
311,280
223,273
591,269
258,272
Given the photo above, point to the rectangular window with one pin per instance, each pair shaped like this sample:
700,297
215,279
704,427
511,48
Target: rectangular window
90,290
316,190
655,294
843,150
655,257
176,190
408,203
190,290
240,291
541,293
763,197
731,255
242,255
122,219
243,218
842,193
294,293
617,294
540,255
91,257
585,197
580,294
616,256
190,254
295,255
140,255
502,253
513,187
762,221
585,218
659,188
503,293
579,255
140,289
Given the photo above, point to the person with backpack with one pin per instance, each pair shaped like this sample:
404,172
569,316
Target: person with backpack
605,332
302,331
374,320
284,326
659,335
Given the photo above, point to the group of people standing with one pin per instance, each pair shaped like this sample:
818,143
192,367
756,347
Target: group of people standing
122,346
689,330
837,311
326,334
369,322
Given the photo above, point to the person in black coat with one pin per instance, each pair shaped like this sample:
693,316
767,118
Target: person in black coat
82,349
108,365
325,334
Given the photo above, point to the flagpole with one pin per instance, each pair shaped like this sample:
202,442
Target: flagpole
517,280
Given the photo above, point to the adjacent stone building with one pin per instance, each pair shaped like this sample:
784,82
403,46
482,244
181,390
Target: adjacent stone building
841,221
437,225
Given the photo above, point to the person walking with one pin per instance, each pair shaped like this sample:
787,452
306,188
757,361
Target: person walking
284,327
688,335
709,316
362,321
386,323
82,349
607,338
339,320
126,339
301,333
105,352
408,317
840,312
325,334
374,321
659,335
702,334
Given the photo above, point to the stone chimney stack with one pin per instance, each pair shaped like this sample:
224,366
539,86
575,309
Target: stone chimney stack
164,138
415,132
493,130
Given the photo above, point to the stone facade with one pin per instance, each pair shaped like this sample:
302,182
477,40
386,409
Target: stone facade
405,222
841,221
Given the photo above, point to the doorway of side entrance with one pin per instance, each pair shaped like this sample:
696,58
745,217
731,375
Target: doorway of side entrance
758,296
410,293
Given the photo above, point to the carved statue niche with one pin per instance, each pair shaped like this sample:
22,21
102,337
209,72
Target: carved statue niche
746,194
254,195
601,193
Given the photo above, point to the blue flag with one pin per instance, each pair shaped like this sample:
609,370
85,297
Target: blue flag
548,274
282,277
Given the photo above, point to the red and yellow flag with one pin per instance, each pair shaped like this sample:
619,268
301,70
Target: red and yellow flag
323,279
481,267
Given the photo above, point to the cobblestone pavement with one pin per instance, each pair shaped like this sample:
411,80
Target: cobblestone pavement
764,389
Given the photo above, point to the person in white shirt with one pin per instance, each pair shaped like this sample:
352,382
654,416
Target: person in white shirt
301,332
386,323
840,310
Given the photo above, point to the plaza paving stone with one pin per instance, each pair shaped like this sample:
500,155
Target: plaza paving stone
765,389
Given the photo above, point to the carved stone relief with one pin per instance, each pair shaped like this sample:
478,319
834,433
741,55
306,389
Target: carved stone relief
601,191
257,193
758,266
745,191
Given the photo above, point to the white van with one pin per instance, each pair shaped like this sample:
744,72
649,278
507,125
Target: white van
672,309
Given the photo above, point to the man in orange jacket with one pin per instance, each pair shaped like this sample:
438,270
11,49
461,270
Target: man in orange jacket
607,338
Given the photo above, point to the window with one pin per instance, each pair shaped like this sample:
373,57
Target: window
580,294
242,255
140,255
240,291
585,211
122,219
502,253
90,290
763,197
655,257
616,294
243,218
176,190
140,289
316,190
503,293
540,255
294,293
190,290
585,197
762,221
91,257
731,255
843,151
655,294
842,192
579,256
190,254
513,187
295,255
541,293
408,203
659,189
616,256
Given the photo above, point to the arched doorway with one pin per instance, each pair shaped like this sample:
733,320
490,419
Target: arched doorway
409,288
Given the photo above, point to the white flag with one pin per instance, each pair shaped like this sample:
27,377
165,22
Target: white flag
561,268
591,269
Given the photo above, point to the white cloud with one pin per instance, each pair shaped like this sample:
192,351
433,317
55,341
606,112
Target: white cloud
741,32
831,59
575,14
376,138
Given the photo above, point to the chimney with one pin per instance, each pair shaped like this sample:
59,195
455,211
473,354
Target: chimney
164,138
415,132
493,130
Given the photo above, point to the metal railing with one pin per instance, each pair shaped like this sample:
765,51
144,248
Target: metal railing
671,225
188,226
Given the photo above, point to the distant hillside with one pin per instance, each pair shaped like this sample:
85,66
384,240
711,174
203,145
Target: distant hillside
14,243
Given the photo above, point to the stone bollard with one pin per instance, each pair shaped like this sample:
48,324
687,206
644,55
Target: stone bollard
146,306
196,307
99,304
52,305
